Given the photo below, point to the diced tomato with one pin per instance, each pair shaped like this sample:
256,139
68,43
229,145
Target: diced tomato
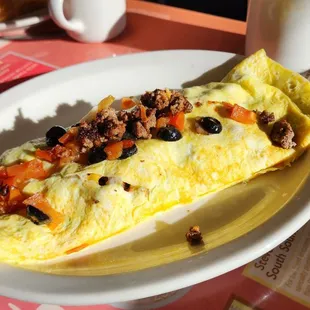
3,172
15,195
162,122
64,154
29,170
228,106
40,202
12,201
143,113
15,170
77,249
35,170
75,149
127,103
114,150
69,153
128,143
12,181
45,155
33,200
12,207
73,131
69,135
177,120
66,138
243,115
22,211
65,160
61,151
73,154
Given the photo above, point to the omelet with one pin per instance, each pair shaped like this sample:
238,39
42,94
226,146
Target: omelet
163,174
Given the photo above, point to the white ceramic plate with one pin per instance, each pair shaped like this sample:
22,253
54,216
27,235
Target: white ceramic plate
47,100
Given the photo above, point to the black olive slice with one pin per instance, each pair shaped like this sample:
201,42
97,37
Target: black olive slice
126,186
169,133
4,190
53,135
210,124
96,155
36,216
128,136
102,128
103,181
129,152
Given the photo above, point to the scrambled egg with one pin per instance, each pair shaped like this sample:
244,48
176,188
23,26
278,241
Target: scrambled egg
164,174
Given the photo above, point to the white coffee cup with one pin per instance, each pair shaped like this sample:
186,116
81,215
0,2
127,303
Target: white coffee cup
282,28
89,21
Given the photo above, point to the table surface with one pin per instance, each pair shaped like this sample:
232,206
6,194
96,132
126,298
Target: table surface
149,27
157,27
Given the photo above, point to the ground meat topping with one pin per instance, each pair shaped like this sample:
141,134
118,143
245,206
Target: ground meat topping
89,136
178,103
61,151
166,101
124,116
140,131
265,117
193,236
150,122
110,126
105,127
158,99
282,134
140,121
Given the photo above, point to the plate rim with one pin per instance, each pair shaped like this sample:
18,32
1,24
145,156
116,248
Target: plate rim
279,227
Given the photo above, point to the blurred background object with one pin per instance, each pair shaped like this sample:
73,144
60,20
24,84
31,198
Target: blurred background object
10,9
28,19
235,9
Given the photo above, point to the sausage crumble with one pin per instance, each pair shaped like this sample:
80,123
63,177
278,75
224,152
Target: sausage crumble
105,127
265,117
165,101
126,186
193,236
282,134
138,122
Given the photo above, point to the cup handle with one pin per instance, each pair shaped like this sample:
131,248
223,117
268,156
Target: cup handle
56,12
